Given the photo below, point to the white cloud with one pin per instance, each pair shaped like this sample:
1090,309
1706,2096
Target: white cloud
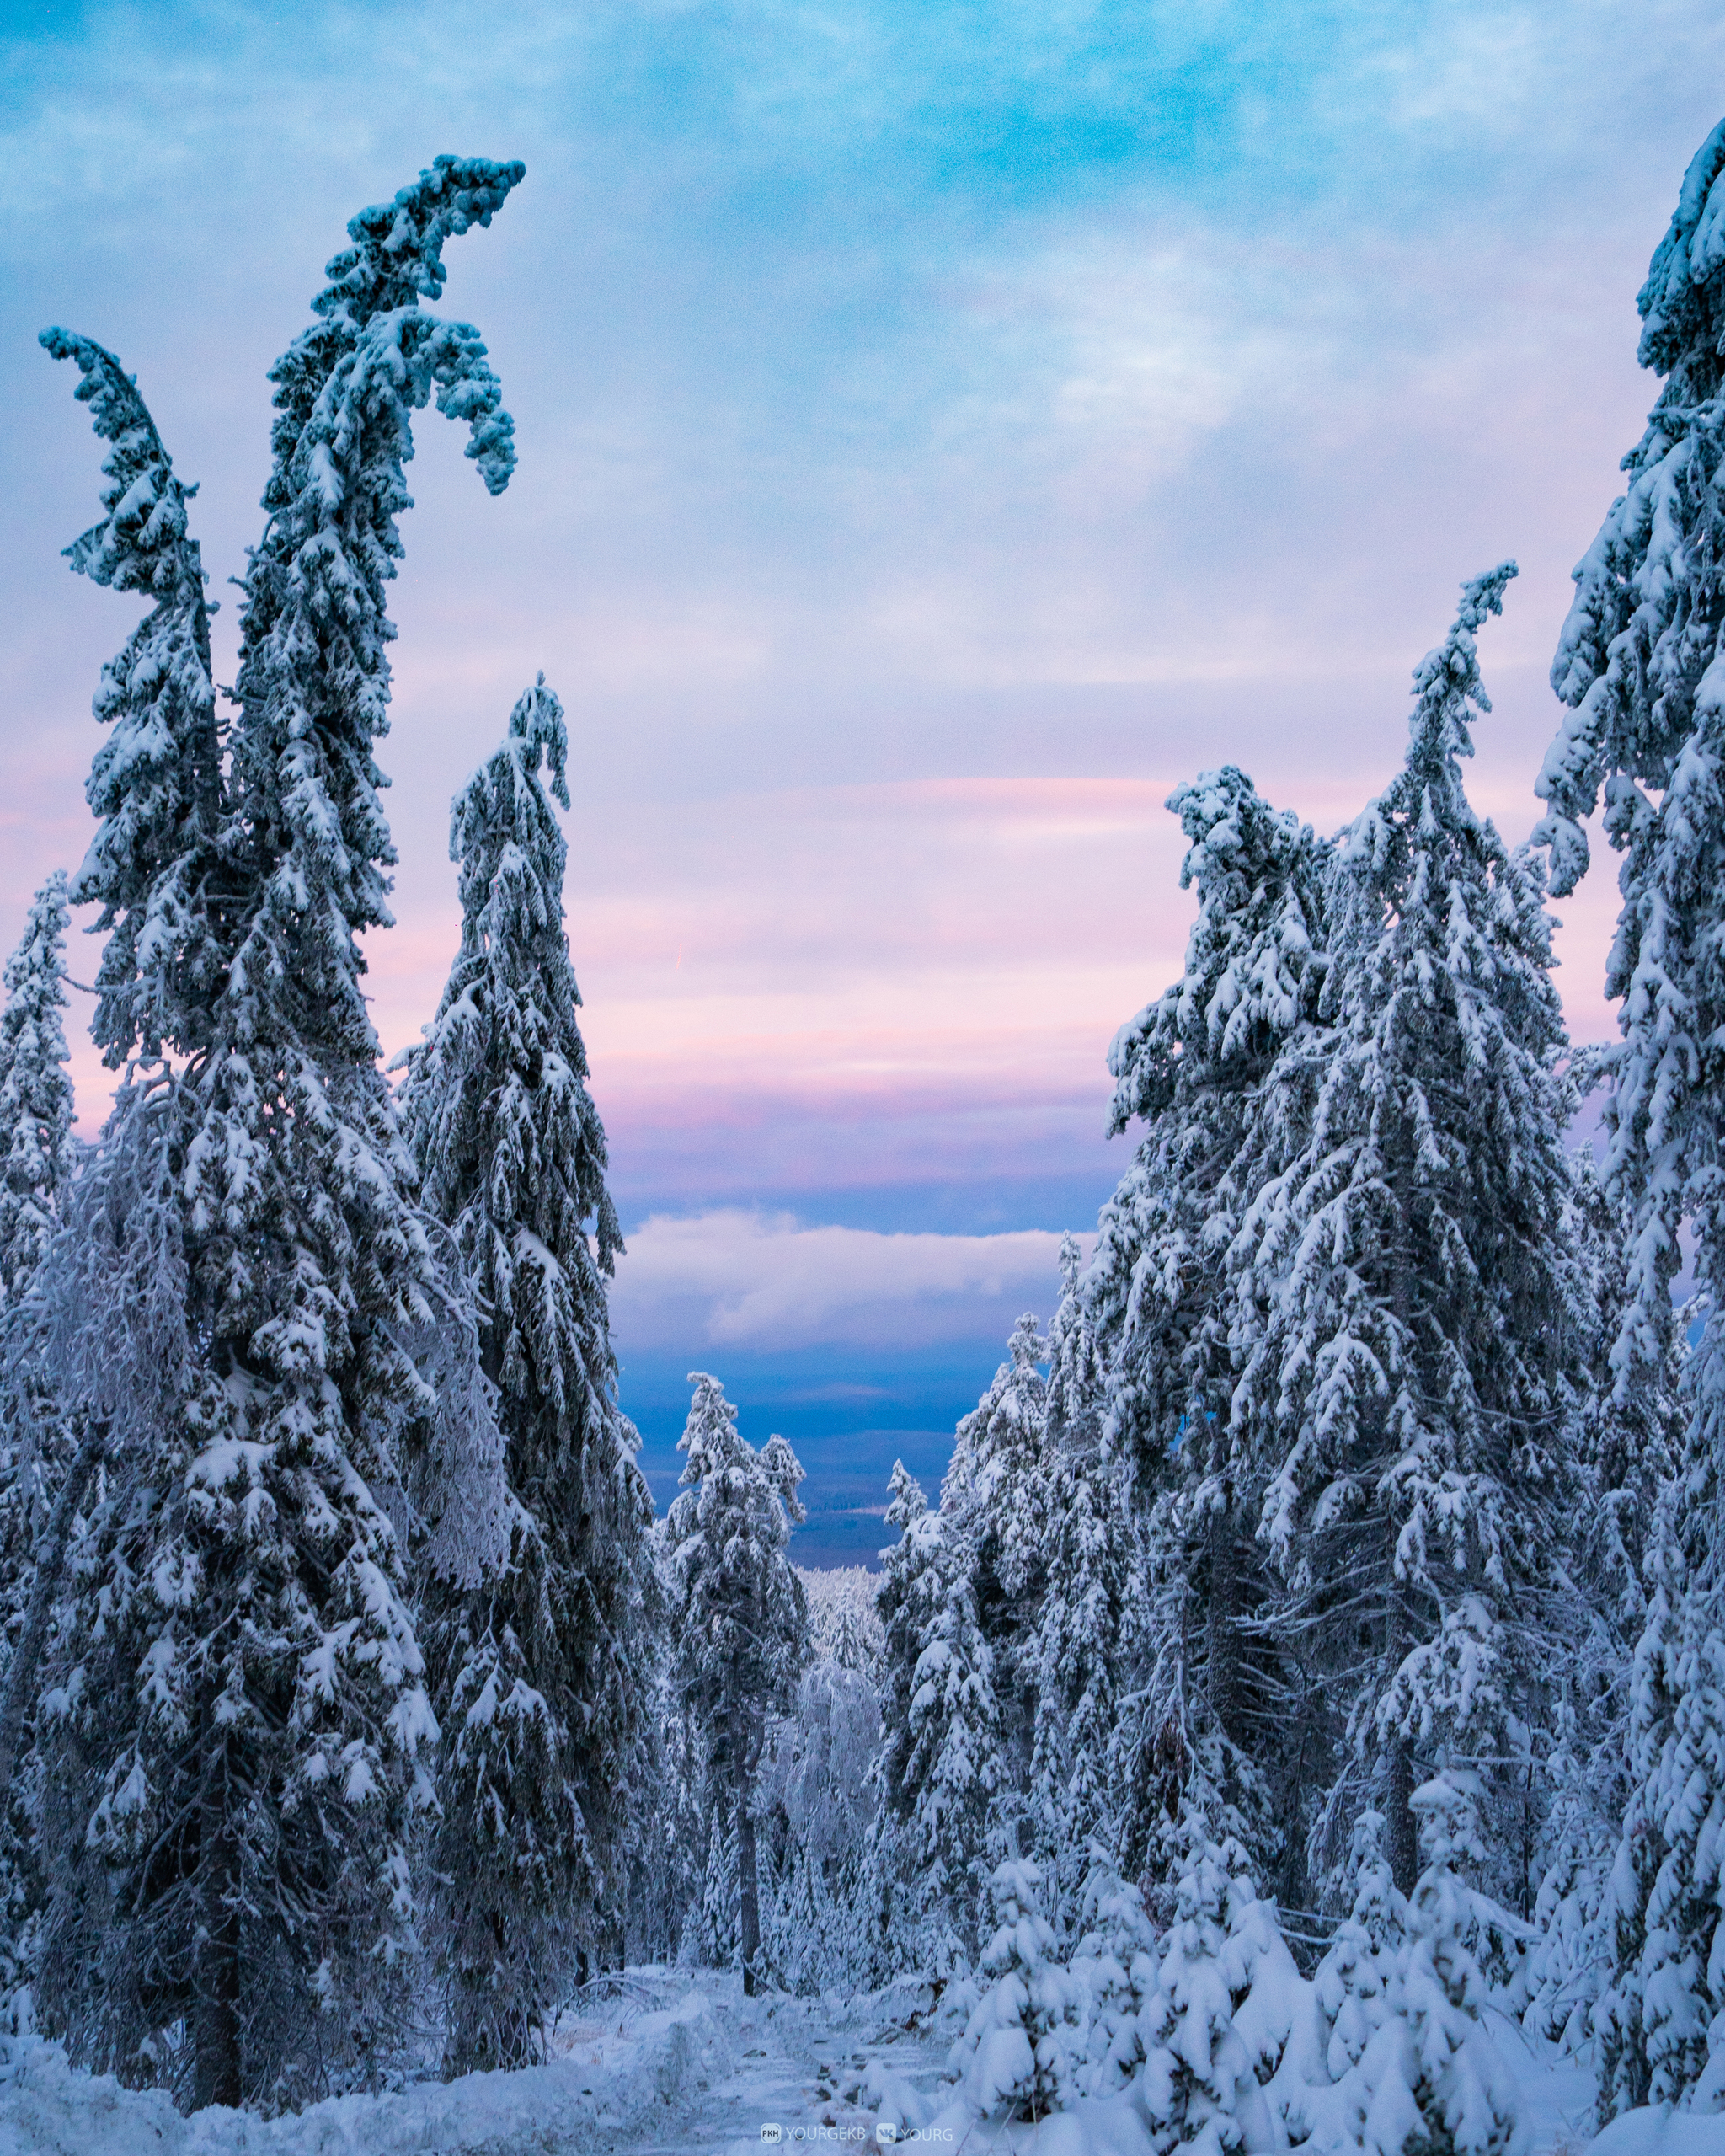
757,1280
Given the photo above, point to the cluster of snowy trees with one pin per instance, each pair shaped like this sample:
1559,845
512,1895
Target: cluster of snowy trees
1322,1625
355,1710
1361,1547
325,1544
1287,1522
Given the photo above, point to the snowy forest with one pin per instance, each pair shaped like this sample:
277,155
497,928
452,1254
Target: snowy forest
1310,1682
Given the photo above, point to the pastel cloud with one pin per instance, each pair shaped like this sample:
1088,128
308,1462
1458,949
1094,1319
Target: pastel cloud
741,1279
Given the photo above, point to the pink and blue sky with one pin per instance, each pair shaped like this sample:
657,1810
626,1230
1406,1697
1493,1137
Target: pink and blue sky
942,428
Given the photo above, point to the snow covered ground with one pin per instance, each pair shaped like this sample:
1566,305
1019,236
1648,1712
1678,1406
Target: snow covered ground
1557,2092
659,2065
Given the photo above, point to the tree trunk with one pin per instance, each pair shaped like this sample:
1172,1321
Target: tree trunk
216,2022
1218,1623
19,1687
1404,1838
1404,1841
1403,1851
750,1894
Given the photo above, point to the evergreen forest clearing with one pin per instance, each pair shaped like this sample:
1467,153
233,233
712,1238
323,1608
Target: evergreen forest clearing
1300,1723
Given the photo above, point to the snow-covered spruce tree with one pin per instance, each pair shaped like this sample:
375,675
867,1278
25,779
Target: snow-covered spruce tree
1641,1869
1089,1578
153,868
35,1166
912,1588
243,1723
1415,2067
1216,2026
1191,1067
36,1089
844,1619
1627,1452
541,1676
993,1526
719,1932
740,1618
1320,2090
1022,2051
37,1111
816,1804
156,784
942,1769
1090,1581
807,1935
960,1602
1627,1446
1116,1960
1639,663
1076,1390
1410,1323
663,1896
1657,2022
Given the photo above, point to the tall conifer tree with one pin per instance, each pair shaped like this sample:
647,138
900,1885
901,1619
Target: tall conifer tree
1410,1325
1214,1695
1639,663
36,1089
1189,1066
1627,1451
1082,1626
156,866
244,1720
36,1108
741,1619
908,1596
153,869
542,1675
993,1532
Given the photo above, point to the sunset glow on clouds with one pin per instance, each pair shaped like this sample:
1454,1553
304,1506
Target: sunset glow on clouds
942,432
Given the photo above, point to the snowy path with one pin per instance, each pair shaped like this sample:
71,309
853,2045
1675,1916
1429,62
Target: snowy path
795,2065
659,2065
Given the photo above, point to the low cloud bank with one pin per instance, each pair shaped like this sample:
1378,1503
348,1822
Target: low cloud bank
759,1280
